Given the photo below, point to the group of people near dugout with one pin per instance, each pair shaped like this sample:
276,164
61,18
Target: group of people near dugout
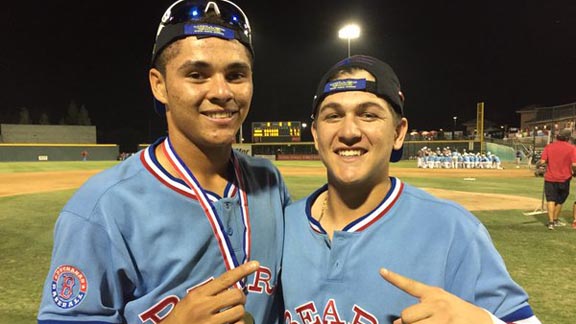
447,158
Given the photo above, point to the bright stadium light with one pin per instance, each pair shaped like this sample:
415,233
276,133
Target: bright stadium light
349,32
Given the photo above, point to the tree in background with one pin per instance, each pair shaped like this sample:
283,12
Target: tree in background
83,118
44,119
24,117
36,115
75,116
72,113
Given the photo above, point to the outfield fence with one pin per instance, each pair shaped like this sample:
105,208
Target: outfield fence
58,152
307,151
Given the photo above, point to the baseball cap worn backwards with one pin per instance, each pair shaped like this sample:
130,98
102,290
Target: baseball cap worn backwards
565,133
185,18
386,86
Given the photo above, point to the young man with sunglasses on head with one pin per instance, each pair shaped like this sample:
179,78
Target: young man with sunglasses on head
340,240
169,234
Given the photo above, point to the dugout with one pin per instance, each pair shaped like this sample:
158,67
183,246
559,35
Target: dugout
505,153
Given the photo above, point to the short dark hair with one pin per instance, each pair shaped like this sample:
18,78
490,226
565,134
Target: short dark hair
165,56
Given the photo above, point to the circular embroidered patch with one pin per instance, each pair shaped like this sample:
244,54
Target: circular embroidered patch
69,286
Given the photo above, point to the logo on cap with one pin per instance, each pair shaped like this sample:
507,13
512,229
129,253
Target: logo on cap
345,85
211,30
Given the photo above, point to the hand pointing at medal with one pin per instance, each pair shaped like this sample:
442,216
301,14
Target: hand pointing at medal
436,305
216,302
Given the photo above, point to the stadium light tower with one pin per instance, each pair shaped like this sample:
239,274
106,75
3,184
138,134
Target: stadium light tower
349,32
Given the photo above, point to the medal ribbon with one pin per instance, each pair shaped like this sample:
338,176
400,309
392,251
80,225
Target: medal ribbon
230,259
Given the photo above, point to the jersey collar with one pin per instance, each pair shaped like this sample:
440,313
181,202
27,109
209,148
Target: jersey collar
362,223
150,162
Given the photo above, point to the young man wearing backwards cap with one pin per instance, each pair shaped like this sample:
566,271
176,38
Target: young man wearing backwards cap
169,234
368,248
560,160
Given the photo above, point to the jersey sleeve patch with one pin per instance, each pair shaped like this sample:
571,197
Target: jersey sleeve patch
69,286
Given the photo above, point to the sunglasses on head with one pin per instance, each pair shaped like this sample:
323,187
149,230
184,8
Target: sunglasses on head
186,17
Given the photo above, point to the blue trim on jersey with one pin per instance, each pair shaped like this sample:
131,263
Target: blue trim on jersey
70,322
393,184
372,216
152,151
519,314
313,222
229,190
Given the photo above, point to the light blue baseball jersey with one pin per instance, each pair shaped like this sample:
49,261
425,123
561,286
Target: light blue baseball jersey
412,233
133,240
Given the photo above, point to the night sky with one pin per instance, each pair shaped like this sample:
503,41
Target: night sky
448,55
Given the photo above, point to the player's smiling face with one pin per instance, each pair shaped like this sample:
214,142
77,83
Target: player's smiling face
355,132
207,90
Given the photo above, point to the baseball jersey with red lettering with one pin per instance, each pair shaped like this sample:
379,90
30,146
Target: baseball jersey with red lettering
133,240
412,233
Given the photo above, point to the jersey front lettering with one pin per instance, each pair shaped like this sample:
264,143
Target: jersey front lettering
260,284
309,314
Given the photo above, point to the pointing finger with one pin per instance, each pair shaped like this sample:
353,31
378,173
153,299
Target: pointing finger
230,277
410,286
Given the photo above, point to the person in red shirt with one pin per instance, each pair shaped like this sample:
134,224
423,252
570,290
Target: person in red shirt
560,160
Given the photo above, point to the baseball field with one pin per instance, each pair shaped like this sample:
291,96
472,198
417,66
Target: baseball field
507,201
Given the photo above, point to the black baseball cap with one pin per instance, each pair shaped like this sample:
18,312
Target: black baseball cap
386,86
185,18
565,133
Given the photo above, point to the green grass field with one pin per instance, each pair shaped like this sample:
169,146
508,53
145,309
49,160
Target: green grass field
541,261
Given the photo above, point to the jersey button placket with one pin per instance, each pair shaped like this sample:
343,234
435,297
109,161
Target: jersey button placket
227,205
338,256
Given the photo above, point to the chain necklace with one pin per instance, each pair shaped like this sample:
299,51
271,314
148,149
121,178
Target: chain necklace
324,206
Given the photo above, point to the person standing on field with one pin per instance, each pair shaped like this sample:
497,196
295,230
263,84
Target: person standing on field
369,248
560,159
187,230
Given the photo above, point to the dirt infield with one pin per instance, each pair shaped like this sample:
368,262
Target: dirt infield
470,200
34,182
26,183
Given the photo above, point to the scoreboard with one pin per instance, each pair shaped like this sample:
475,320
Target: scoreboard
280,131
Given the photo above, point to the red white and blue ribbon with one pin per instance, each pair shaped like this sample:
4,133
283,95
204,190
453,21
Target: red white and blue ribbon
230,259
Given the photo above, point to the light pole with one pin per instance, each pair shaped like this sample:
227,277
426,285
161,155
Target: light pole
454,129
303,132
351,31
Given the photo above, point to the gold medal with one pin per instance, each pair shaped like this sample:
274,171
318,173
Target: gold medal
248,319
